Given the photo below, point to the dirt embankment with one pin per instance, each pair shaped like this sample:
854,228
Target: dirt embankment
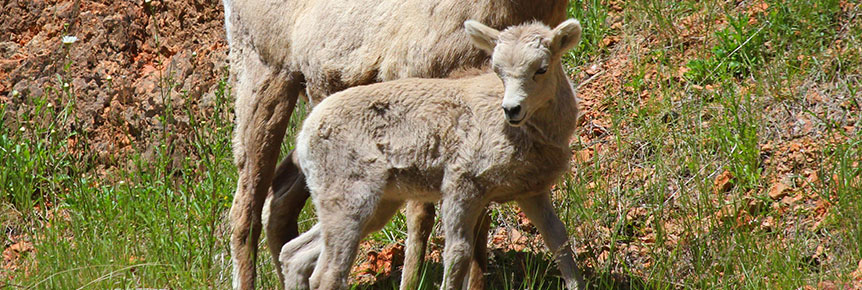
121,61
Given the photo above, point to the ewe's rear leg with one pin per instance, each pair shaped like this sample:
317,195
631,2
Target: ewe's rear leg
265,100
420,222
459,216
541,212
281,212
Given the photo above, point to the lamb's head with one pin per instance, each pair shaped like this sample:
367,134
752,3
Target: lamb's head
527,58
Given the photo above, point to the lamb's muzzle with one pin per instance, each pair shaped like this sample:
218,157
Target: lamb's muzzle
513,114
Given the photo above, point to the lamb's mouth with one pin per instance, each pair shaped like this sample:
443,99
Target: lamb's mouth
516,123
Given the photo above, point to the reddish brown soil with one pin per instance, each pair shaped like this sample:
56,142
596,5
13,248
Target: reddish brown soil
130,59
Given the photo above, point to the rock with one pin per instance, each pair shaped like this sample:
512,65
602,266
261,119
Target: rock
857,275
778,191
117,33
723,182
8,49
208,100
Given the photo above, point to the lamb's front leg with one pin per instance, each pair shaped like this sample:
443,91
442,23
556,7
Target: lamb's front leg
540,211
459,213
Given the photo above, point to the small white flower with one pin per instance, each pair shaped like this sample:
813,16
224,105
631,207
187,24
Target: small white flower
22,129
50,105
194,54
15,93
69,39
109,78
65,85
147,1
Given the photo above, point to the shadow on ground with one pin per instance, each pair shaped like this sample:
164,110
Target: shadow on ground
517,270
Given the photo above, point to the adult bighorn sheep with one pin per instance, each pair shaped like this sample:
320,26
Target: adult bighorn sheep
281,49
367,150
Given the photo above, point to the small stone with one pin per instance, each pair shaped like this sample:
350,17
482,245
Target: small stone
593,69
723,182
778,191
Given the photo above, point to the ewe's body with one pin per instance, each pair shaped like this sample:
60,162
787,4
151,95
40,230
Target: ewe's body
368,149
280,49
337,44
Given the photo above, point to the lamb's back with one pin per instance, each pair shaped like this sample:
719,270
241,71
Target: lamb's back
410,123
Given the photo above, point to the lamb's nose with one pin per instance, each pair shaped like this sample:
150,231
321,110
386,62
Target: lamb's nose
512,113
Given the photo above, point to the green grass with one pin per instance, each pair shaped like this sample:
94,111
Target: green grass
160,223
642,211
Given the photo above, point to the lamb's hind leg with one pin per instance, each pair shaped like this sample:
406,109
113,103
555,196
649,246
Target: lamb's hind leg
265,100
540,211
343,213
479,264
300,255
420,222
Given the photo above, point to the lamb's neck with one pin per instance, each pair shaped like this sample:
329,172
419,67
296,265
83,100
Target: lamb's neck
555,123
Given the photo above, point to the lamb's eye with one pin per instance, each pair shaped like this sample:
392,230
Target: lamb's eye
542,70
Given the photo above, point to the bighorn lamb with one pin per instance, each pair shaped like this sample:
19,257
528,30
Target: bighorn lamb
368,149
281,49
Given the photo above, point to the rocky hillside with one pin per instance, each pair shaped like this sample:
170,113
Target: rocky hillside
122,62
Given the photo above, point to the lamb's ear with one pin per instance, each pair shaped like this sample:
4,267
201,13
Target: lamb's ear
483,37
567,35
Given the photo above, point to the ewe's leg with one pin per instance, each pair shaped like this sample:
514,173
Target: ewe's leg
265,100
459,215
540,211
479,264
288,197
420,222
385,210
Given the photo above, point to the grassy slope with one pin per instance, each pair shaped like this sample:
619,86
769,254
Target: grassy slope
695,113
